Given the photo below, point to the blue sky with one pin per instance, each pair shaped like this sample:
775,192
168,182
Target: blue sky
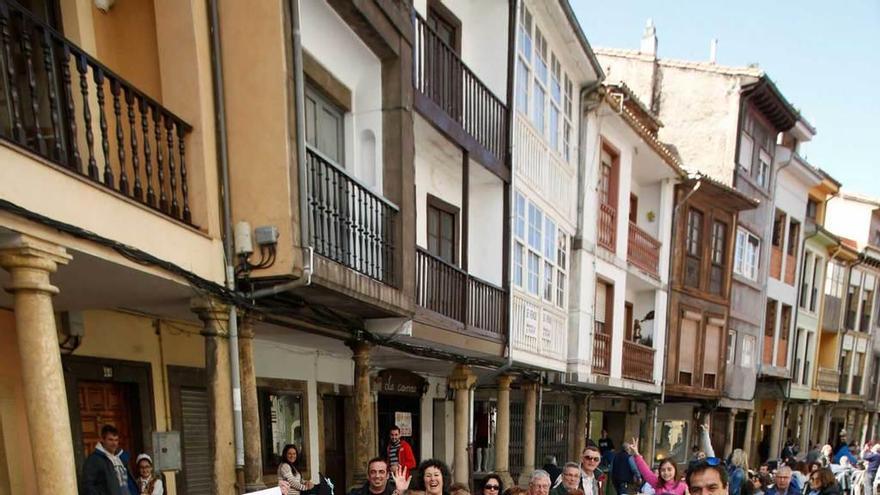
824,56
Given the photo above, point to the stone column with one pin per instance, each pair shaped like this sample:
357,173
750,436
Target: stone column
461,380
530,413
502,432
776,430
580,429
253,458
363,411
806,432
728,440
750,441
825,426
215,329
648,443
29,263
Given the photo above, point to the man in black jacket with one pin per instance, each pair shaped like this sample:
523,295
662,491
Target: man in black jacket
104,473
377,479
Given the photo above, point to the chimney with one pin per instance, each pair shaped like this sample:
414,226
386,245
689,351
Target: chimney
713,50
649,39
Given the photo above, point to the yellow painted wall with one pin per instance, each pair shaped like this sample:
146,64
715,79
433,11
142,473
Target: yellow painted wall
108,334
16,462
125,39
828,350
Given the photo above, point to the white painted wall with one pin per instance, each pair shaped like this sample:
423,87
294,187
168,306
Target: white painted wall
486,237
438,172
483,39
330,40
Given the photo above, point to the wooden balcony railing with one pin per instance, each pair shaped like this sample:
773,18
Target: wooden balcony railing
776,263
607,226
348,223
441,75
790,268
601,350
451,292
767,356
638,362
643,250
827,379
60,103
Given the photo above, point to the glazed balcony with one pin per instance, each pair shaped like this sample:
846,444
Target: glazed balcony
638,362
456,101
479,306
347,222
827,379
643,250
64,106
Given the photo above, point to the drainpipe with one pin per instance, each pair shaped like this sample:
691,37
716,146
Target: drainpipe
228,248
299,96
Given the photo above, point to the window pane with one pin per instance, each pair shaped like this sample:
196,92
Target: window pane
560,290
554,128
522,86
520,207
283,417
550,240
538,108
534,267
536,218
746,149
548,281
518,264
562,252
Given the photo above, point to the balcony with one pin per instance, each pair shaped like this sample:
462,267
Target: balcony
64,106
347,222
601,350
638,362
790,268
449,291
643,250
607,226
450,95
776,263
827,380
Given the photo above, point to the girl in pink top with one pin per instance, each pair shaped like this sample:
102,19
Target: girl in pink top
668,483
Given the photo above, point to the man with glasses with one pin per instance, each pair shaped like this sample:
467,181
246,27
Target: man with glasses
568,480
589,482
782,483
707,477
539,483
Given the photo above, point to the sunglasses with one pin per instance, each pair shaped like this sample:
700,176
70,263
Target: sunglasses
494,488
592,458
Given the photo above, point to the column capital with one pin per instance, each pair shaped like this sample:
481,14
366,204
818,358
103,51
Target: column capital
30,261
245,325
213,313
360,351
504,381
529,386
462,378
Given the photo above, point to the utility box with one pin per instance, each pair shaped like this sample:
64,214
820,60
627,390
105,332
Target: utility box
166,451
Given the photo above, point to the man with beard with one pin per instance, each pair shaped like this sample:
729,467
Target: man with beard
399,451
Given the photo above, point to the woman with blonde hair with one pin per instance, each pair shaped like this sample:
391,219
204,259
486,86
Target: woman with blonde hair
736,471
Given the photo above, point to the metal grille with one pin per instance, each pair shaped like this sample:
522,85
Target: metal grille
516,438
553,433
197,464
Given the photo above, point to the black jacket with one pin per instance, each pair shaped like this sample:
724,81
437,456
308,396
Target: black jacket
99,477
365,489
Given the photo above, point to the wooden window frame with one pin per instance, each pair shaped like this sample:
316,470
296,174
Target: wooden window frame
442,12
288,387
319,95
432,201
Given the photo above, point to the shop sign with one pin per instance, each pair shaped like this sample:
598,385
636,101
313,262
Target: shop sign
402,382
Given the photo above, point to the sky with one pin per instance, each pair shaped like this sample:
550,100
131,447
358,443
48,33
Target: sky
823,55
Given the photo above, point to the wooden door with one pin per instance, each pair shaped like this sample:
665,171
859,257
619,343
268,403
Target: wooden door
105,403
334,442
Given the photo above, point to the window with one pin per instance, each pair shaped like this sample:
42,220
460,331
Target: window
555,102
808,351
539,89
719,257
778,229
524,61
867,303
747,354
762,176
794,228
812,209
693,243
567,144
324,126
852,299
445,24
784,336
686,355
746,149
814,281
809,260
540,253
731,348
442,229
747,254
281,423
606,179
712,353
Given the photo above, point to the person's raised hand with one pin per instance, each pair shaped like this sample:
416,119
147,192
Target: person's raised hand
634,446
401,478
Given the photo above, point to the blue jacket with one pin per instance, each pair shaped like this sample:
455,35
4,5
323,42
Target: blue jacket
792,490
736,475
844,451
